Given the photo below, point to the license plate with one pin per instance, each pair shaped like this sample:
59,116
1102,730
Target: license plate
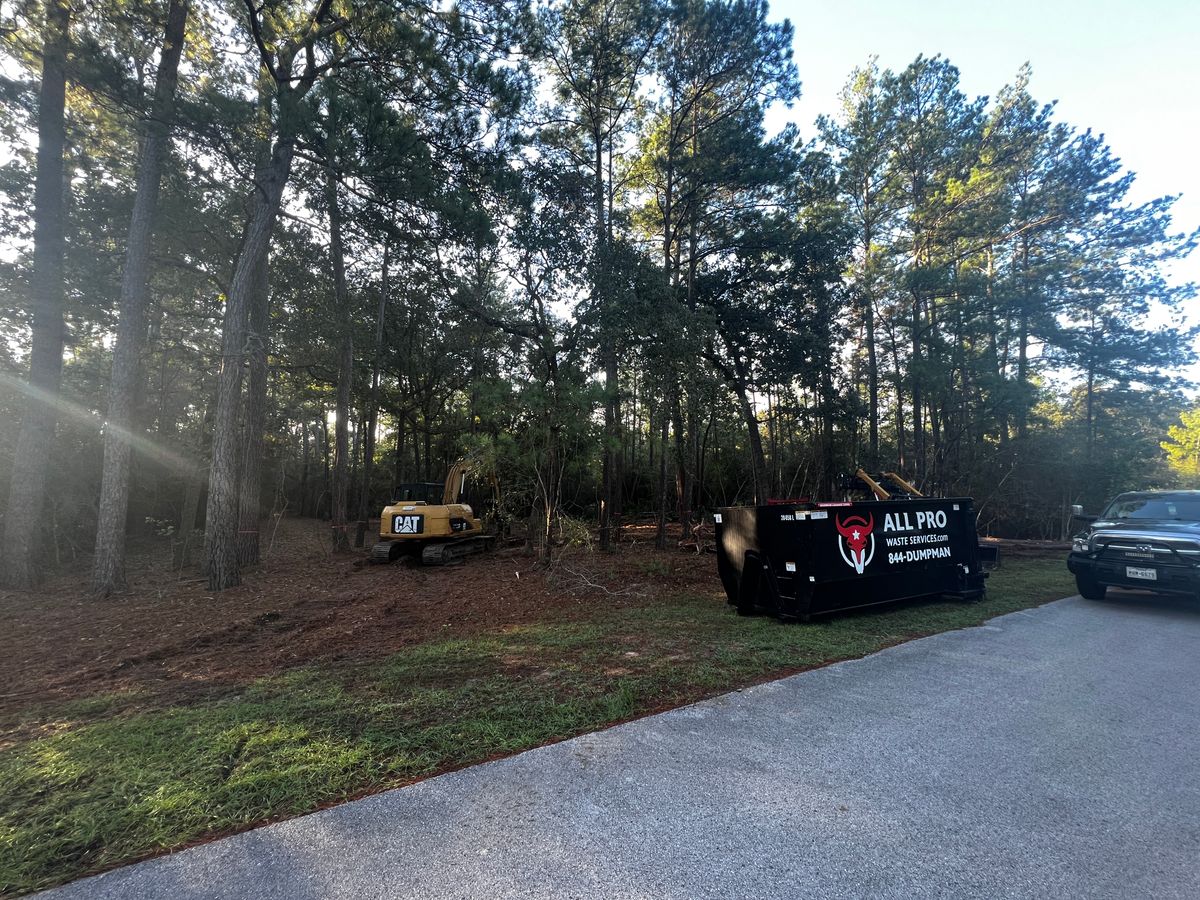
1143,574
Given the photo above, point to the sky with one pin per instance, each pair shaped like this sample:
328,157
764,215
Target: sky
1128,70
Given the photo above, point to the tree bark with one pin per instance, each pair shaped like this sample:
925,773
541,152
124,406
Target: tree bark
341,459
398,472
325,482
609,486
35,443
372,417
1023,344
255,411
758,463
303,486
254,420
916,391
683,484
603,294
660,540
220,536
187,518
108,565
872,384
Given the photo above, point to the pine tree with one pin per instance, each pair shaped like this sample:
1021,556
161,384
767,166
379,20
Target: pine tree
108,565
23,519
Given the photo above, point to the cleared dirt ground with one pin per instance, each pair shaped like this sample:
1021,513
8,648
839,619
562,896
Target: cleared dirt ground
169,633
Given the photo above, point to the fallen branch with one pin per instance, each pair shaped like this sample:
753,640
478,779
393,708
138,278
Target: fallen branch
587,582
701,541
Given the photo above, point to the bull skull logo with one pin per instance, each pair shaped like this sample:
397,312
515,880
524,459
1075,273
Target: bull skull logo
857,543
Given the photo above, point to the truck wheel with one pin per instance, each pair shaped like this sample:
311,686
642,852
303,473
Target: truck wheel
1089,589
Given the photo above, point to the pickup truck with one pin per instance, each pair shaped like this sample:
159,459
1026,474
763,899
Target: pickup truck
1144,540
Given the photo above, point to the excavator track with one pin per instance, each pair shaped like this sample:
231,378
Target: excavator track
450,552
386,551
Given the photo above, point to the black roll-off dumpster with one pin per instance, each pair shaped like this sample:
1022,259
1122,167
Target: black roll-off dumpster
797,560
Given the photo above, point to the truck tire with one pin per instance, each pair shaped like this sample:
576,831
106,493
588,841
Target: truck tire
1090,589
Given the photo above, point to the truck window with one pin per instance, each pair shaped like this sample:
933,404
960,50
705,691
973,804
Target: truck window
1154,508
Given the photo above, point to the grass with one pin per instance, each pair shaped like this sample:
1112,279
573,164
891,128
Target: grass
105,780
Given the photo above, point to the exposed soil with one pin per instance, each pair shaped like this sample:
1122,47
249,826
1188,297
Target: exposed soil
169,634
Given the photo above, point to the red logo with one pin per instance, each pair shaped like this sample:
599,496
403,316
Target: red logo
857,535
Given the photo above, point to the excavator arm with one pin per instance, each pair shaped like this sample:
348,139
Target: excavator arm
897,480
456,480
870,482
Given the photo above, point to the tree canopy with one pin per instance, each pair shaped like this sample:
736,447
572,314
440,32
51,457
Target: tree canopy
274,258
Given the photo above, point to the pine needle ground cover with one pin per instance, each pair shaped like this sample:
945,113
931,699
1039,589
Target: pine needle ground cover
88,784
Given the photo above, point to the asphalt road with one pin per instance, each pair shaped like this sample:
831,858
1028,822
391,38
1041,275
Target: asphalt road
1049,753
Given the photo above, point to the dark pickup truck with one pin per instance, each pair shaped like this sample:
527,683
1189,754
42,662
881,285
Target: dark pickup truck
1144,540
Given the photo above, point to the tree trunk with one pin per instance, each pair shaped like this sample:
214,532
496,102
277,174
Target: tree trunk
354,483
670,407
255,412
220,536
303,486
193,487
1091,393
418,467
108,565
898,377
187,519
683,484
398,472
1023,344
23,519
427,438
758,462
609,488
917,398
325,483
603,294
828,457
254,420
772,442
872,384
372,417
660,540
341,464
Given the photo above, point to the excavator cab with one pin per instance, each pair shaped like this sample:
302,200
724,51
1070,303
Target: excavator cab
426,491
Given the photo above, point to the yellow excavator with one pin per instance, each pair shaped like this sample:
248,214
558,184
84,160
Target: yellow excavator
415,522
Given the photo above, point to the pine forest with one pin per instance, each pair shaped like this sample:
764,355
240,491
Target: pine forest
266,259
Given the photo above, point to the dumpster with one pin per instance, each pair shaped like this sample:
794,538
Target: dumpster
796,560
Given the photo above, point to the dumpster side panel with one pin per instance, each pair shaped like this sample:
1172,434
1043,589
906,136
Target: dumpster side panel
842,556
736,532
758,555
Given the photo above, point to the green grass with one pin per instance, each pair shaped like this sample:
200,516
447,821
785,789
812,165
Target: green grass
102,781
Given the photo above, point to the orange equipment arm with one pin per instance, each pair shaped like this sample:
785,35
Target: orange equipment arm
873,485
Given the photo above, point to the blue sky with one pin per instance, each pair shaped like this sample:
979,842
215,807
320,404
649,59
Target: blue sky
1128,70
